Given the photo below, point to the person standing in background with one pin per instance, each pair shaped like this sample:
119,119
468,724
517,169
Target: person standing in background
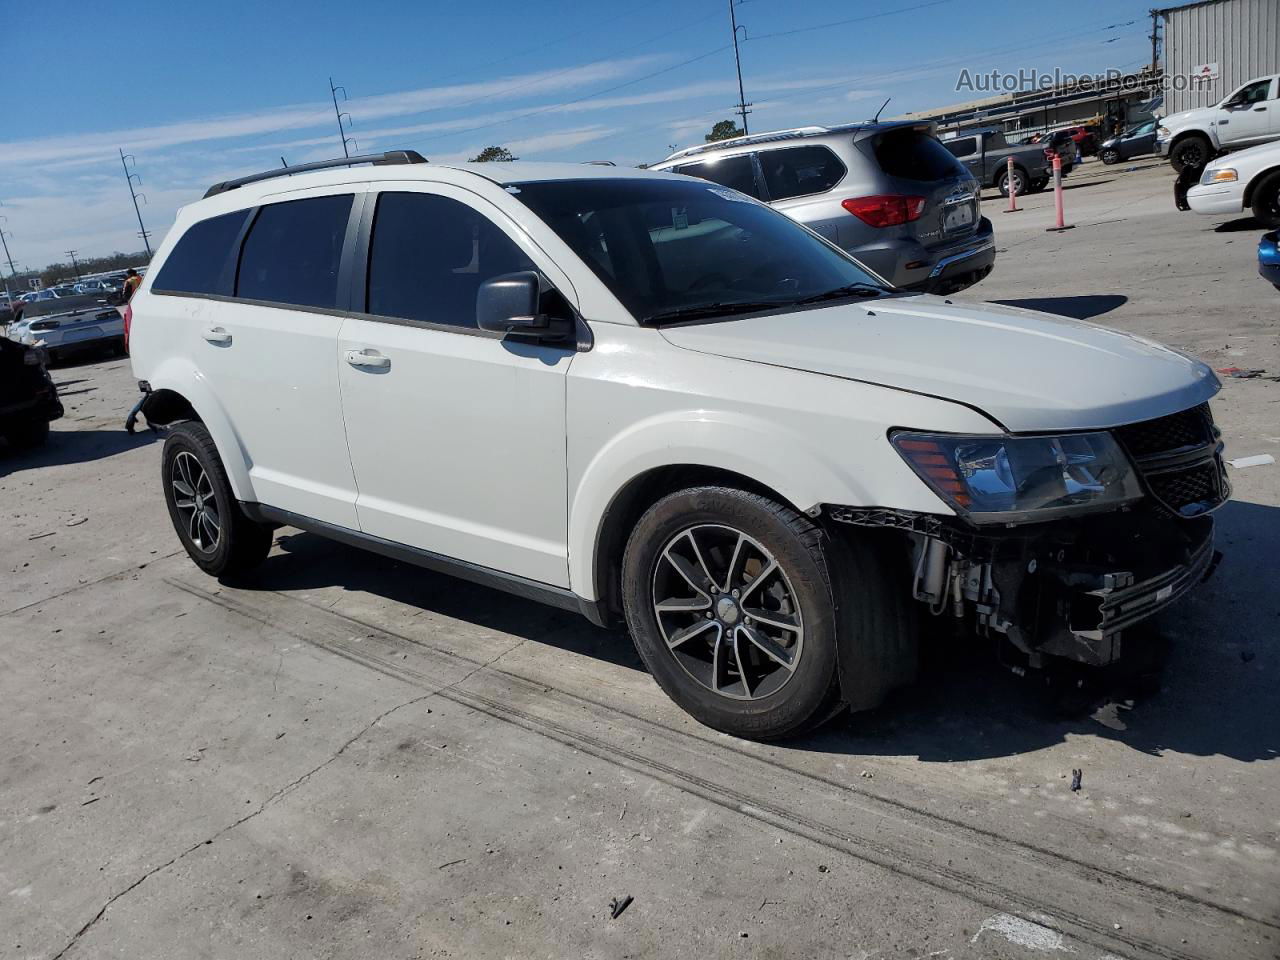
131,283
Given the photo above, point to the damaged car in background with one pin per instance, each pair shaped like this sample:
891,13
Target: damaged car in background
669,406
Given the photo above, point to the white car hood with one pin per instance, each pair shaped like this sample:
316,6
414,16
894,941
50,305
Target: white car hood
1027,371
1176,121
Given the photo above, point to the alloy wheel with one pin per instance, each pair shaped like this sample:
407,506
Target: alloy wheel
727,612
194,499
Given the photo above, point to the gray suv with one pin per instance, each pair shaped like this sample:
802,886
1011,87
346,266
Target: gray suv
888,193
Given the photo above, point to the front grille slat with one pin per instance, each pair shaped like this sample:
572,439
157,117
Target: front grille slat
1189,490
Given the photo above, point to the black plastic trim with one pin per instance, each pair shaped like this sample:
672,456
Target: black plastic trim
558,597
378,159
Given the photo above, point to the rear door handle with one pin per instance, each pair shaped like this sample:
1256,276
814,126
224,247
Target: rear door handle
217,335
369,359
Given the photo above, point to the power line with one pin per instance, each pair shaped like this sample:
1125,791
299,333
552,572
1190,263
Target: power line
841,23
589,96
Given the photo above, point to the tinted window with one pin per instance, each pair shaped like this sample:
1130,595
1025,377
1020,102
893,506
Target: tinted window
429,255
798,171
197,260
293,250
1253,93
736,172
915,155
667,245
964,147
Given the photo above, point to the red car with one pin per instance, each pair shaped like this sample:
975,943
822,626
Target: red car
1083,138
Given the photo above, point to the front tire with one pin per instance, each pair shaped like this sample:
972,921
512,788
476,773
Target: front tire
728,598
1109,156
1193,151
1266,200
206,516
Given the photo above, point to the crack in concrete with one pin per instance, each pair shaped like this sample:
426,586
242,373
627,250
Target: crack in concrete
93,583
283,791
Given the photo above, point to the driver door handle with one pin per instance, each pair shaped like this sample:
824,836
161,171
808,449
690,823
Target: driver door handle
217,335
369,359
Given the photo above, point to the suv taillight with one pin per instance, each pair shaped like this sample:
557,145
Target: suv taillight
128,322
886,210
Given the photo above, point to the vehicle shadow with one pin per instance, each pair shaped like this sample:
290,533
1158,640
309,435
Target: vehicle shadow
1240,225
1078,308
310,562
1207,690
1081,184
1204,688
72,446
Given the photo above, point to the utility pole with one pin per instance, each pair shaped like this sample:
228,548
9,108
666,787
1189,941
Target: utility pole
3,242
342,131
74,266
742,97
1155,41
129,178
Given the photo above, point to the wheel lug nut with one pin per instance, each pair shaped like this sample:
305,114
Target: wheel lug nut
735,594
708,614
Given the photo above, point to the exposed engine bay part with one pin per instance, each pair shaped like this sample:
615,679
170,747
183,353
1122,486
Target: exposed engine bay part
1066,590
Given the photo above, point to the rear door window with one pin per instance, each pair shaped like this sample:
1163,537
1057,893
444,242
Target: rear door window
739,173
198,260
428,256
800,171
293,252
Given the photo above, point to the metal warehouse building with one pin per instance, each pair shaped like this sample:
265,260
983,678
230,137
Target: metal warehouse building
1227,42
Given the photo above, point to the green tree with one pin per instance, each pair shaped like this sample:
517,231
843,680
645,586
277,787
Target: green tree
724,130
498,154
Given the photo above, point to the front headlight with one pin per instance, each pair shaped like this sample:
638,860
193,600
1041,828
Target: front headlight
1218,175
1008,479
1162,133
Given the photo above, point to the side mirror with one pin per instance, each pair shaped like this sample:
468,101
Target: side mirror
509,305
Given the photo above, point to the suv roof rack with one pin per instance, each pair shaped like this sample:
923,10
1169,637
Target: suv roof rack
791,134
390,157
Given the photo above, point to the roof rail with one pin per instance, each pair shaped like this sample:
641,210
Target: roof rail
390,157
793,133
599,163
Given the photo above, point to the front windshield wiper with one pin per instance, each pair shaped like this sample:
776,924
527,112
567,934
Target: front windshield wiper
703,311
848,290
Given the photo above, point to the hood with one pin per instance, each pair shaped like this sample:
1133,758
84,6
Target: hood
1028,371
1175,120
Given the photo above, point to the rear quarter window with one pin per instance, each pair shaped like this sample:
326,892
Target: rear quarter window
800,171
915,155
198,260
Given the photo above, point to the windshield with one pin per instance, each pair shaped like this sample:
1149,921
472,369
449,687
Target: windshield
672,250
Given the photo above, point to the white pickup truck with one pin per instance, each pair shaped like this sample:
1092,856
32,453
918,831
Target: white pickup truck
1246,117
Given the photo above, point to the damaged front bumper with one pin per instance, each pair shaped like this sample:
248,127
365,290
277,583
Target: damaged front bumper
1063,589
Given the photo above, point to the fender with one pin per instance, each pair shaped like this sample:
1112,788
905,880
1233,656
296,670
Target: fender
803,474
178,374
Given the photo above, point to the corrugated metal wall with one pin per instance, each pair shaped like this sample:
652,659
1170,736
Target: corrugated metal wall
1241,36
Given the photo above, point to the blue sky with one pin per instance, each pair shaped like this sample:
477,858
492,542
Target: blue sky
204,91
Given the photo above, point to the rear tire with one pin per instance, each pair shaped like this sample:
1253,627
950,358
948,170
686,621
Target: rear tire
1192,151
1266,200
764,669
28,436
205,513
1019,179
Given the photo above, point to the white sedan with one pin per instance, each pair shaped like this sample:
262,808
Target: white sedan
1238,182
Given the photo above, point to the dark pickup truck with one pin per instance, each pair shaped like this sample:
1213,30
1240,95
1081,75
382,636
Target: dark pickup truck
986,153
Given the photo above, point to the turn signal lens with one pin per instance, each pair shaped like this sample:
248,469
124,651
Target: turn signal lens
1222,175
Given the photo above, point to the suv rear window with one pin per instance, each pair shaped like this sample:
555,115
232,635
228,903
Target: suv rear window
800,171
739,173
915,155
197,261
293,250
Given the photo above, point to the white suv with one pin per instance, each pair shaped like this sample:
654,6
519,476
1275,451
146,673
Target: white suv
649,397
